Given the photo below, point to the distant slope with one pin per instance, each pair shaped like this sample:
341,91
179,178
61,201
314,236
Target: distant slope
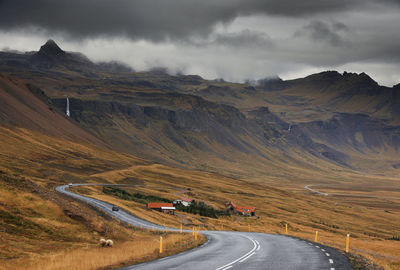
315,97
26,106
348,112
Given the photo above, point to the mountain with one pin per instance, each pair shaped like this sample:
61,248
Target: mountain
50,52
258,143
318,123
52,57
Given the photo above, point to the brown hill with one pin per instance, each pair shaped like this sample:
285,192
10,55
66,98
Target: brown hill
24,105
238,129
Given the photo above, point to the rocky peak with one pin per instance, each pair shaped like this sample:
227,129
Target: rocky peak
326,77
51,48
362,78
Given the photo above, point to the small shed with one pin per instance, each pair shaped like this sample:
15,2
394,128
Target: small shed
184,201
166,208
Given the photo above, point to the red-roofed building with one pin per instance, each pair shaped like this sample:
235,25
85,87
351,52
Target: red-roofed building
245,210
241,210
167,208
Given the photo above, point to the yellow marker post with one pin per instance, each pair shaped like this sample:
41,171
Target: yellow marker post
316,236
166,229
160,244
347,242
181,228
193,231
195,235
286,231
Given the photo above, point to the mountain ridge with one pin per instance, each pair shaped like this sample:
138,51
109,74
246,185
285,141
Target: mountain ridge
243,129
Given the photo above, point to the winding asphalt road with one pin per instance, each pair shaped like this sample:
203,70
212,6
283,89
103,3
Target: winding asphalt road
233,250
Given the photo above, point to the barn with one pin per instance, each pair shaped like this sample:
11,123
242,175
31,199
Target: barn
240,210
166,208
245,210
184,201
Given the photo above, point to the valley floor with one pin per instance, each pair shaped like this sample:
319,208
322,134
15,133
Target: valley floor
37,224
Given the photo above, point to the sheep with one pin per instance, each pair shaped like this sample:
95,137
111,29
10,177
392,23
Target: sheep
103,242
106,243
109,243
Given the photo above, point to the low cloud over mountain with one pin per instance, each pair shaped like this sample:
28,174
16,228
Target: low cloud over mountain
235,40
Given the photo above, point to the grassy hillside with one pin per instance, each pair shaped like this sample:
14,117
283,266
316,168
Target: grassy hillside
39,226
35,214
215,126
213,141
56,221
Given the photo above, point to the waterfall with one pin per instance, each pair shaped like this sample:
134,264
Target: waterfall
67,112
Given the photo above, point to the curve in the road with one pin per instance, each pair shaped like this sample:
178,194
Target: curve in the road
232,250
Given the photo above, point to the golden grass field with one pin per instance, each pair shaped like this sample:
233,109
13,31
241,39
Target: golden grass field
41,225
141,246
333,217
40,229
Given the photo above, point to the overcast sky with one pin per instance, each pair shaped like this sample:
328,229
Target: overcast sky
230,39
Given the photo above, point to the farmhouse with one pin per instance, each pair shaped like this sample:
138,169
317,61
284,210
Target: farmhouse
166,208
240,210
245,210
185,202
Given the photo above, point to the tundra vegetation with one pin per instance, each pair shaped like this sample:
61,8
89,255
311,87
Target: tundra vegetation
212,140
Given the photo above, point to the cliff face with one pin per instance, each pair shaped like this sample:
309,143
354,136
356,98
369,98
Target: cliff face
325,120
179,131
187,130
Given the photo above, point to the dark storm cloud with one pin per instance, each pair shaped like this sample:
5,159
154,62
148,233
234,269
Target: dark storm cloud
151,19
245,38
230,39
325,32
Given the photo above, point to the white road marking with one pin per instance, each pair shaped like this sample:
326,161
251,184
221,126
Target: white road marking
227,267
322,249
330,261
224,267
317,246
327,254
258,248
242,260
332,268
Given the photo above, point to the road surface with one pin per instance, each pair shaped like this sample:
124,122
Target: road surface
233,250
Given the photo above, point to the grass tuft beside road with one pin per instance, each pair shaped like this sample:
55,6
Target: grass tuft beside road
143,246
